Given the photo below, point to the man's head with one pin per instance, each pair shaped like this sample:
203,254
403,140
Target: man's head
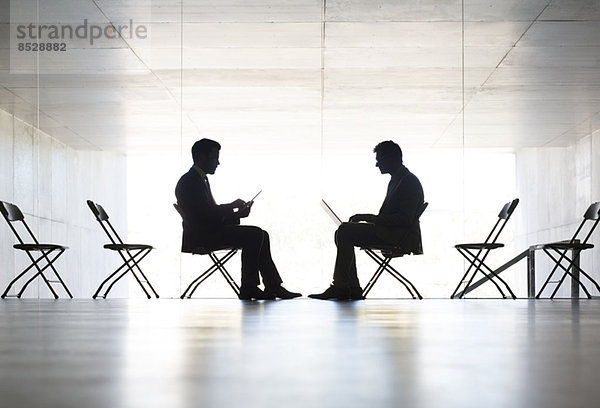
205,153
388,156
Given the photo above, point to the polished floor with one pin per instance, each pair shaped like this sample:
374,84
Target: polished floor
299,353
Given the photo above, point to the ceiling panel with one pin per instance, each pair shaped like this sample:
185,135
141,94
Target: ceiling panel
260,71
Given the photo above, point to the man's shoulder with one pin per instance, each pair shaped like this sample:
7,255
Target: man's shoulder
191,174
411,176
412,182
188,178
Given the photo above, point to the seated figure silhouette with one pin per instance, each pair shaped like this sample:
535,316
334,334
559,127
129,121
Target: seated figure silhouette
211,225
394,225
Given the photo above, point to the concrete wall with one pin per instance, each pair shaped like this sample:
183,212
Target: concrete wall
556,185
50,182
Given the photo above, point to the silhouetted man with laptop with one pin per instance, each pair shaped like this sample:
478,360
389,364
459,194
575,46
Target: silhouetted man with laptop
210,225
396,224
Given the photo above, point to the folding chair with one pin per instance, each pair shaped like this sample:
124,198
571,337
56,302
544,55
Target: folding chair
387,253
558,251
218,264
49,253
476,254
131,254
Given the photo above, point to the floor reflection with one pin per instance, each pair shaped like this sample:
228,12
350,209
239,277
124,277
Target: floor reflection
300,353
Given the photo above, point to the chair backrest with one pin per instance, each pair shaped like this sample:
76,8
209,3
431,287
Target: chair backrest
102,218
593,212
179,210
591,217
421,210
12,214
98,211
503,217
508,209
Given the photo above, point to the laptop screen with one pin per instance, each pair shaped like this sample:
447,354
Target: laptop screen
330,212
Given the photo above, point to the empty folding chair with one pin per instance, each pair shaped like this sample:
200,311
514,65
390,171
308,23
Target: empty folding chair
476,254
385,256
558,252
48,253
131,254
218,265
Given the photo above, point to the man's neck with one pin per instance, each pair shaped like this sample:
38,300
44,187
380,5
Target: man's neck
396,169
200,170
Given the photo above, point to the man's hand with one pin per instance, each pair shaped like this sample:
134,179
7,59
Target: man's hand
239,204
363,217
245,210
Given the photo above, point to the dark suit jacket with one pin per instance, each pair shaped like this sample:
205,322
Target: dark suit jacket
397,221
201,215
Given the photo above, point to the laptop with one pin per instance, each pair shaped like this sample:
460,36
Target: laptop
334,217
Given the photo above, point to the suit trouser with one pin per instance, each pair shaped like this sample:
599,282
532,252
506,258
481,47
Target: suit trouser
348,236
256,253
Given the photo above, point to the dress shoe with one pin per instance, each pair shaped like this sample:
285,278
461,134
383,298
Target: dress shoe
332,293
281,292
356,293
254,293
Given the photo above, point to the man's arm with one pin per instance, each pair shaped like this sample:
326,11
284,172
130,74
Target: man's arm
193,197
363,217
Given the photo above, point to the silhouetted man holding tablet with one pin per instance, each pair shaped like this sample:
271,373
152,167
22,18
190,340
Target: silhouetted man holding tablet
396,224
210,225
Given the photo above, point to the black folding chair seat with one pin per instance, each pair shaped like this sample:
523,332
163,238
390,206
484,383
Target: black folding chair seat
131,254
49,253
383,255
122,247
219,262
568,246
558,252
208,250
479,246
39,247
476,254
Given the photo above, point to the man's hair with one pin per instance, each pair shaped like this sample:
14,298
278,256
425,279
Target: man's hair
389,148
204,146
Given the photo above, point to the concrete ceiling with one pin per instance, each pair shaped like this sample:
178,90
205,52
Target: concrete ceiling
270,72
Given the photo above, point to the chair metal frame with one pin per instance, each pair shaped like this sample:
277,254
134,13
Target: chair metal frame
218,265
49,253
558,252
476,254
383,259
131,254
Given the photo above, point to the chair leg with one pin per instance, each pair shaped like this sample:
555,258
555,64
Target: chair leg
232,283
493,275
119,278
557,263
137,266
462,280
95,295
40,272
16,278
58,276
130,268
126,265
384,264
480,261
372,281
142,253
46,281
218,264
575,265
402,279
201,278
567,272
490,275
